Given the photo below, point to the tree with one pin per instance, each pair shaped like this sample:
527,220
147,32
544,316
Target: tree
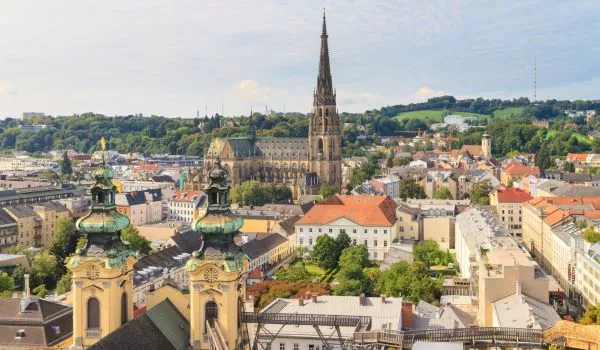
569,167
356,254
44,268
410,280
411,189
326,190
66,168
591,235
325,252
293,274
427,252
591,315
442,193
64,284
342,242
18,274
136,241
7,284
64,241
542,157
40,291
352,281
481,193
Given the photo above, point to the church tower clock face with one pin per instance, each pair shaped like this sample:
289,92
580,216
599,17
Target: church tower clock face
211,275
92,272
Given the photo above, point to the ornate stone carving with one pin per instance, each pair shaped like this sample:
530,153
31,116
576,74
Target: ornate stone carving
92,272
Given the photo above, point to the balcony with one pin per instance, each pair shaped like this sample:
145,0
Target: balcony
92,333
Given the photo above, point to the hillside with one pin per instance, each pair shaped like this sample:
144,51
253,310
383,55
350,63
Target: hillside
434,114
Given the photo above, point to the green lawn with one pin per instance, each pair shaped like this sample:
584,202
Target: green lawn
314,269
580,137
507,112
433,114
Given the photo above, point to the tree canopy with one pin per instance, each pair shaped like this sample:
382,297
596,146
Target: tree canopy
442,193
257,193
409,188
410,280
136,241
325,252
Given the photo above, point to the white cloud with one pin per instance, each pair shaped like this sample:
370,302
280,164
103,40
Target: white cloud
425,92
250,91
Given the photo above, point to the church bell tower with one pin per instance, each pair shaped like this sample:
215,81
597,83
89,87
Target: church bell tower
324,135
102,271
217,272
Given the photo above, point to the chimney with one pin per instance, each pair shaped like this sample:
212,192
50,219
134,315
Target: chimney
301,301
518,292
314,297
361,299
407,315
26,285
383,298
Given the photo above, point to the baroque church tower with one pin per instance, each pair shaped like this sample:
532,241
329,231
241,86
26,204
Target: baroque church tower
324,130
102,271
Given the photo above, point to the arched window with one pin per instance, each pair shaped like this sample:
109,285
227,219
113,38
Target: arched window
124,307
211,312
320,145
93,313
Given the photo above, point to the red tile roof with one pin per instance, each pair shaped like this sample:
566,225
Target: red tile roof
512,195
554,214
520,169
580,157
362,210
185,196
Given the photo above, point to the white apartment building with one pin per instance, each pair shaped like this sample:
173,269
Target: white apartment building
369,220
28,164
389,185
142,207
185,205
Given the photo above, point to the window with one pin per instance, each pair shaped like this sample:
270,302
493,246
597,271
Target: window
296,346
385,243
301,241
353,230
374,231
366,242
310,241
365,230
124,307
311,347
301,230
330,230
400,218
375,255
93,313
281,346
319,230
354,241
375,243
385,232
401,228
310,229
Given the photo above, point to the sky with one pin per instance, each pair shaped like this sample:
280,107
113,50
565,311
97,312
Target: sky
174,58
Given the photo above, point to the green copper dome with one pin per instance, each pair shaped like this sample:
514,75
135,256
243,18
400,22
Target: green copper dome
218,218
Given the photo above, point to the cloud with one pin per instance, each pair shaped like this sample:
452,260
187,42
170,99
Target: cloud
251,91
7,90
361,98
425,92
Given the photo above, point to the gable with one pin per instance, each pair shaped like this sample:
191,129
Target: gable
343,221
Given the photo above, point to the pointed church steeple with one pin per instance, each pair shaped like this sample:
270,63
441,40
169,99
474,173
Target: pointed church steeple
324,94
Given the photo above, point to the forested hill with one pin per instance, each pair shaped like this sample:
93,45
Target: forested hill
191,136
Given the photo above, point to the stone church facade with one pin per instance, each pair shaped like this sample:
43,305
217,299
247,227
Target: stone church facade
302,164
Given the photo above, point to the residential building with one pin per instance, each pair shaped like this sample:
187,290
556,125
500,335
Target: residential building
514,171
38,194
427,316
28,165
573,178
266,250
8,231
36,224
552,234
490,257
186,205
142,207
386,314
257,220
458,184
429,219
30,322
508,206
77,206
388,186
138,185
369,220
556,188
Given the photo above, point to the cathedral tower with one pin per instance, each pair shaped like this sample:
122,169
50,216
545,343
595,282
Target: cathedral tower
102,271
217,272
324,130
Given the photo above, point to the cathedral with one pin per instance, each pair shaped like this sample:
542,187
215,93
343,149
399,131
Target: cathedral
302,164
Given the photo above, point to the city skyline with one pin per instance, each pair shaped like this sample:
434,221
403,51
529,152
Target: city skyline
150,58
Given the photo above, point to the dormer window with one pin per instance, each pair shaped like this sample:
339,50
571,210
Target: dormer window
20,334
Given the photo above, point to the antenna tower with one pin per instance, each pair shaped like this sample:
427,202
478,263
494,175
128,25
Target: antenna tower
534,79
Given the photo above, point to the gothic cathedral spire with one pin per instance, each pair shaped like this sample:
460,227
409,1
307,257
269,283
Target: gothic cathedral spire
325,126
